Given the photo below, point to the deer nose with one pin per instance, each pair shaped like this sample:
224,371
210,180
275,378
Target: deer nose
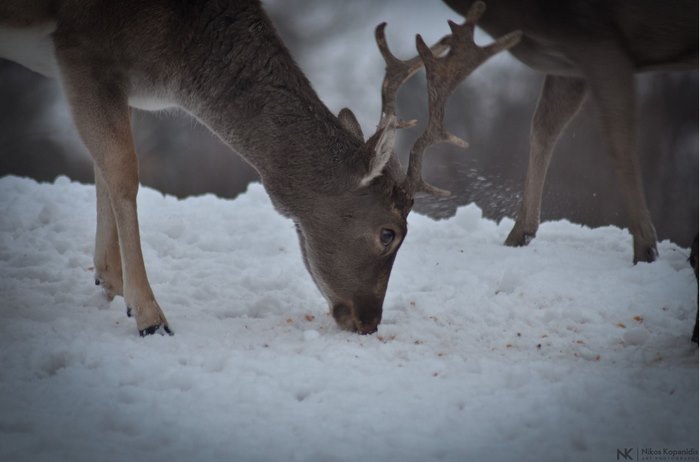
361,319
366,328
367,314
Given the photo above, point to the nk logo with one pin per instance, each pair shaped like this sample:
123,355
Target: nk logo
625,454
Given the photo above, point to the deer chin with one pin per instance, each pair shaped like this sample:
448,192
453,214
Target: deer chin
347,319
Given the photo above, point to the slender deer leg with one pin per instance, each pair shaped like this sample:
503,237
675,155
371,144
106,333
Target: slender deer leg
611,78
108,263
560,99
101,114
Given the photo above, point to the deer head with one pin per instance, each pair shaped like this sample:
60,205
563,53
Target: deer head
350,241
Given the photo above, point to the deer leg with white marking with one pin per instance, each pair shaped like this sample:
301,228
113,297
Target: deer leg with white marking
101,115
108,263
560,100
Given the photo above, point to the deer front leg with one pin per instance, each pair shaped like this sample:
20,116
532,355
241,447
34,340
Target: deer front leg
101,114
107,259
611,78
560,99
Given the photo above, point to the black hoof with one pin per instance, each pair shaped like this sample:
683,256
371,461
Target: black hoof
648,255
97,282
128,312
159,328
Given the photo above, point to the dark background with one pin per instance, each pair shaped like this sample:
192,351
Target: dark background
492,110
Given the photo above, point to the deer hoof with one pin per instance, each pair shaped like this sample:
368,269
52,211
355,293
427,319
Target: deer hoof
517,239
158,328
128,312
108,289
648,255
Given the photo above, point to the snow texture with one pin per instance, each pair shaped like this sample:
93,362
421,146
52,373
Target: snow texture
563,350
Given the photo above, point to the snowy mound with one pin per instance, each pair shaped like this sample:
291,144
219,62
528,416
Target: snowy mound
563,350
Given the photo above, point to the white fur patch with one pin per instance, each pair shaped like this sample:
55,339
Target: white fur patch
383,151
32,47
151,103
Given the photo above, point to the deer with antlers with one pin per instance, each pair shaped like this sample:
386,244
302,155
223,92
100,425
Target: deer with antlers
223,63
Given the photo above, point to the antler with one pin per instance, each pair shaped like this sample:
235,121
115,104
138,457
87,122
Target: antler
397,72
443,76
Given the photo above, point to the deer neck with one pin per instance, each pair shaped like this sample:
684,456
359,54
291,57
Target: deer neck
257,100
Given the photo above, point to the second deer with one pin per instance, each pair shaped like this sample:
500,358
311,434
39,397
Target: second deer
592,47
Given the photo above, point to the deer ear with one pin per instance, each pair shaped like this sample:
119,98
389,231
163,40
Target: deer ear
349,122
381,147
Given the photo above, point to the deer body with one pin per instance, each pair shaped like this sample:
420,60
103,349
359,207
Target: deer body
651,35
226,67
593,47
250,92
222,62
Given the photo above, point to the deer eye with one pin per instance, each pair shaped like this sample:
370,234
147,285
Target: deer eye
386,237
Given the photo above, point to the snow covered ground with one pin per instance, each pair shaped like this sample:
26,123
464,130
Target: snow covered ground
563,350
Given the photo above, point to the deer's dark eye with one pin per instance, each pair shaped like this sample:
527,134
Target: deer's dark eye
386,237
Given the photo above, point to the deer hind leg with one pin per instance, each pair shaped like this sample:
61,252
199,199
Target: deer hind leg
560,99
611,79
101,115
108,262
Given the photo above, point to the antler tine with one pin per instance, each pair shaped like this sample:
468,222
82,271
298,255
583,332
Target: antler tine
443,76
397,72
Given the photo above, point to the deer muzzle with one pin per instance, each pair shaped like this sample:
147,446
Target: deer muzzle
361,316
